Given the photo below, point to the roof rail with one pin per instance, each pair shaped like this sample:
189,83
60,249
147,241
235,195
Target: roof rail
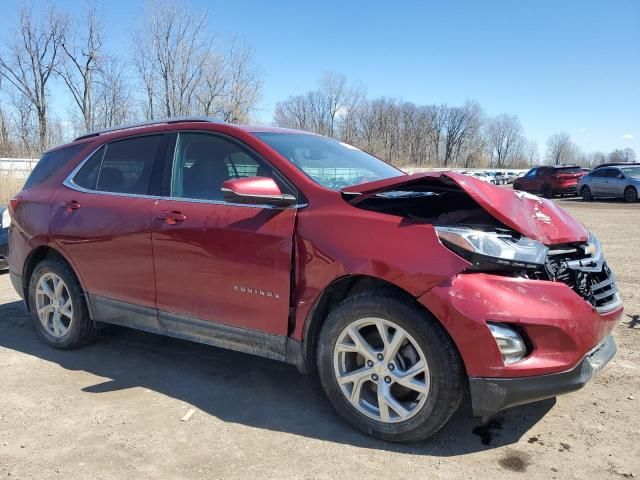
164,121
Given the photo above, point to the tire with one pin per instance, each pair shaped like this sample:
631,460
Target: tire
69,331
547,192
427,411
631,194
585,193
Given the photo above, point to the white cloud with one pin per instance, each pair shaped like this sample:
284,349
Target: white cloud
582,129
627,136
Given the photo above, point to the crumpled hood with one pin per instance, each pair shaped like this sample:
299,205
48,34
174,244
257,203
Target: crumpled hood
529,215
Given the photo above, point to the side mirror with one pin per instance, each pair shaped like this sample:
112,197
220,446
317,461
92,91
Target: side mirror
621,176
256,190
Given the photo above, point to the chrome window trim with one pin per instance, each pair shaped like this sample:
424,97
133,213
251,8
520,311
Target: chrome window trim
69,183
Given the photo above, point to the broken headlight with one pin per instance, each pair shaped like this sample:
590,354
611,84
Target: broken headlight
493,250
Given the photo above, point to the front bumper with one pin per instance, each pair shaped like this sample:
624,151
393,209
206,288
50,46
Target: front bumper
491,395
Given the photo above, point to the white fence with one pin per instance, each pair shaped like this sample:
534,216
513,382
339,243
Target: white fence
18,167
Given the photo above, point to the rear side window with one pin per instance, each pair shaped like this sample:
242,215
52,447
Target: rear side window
50,163
124,166
87,176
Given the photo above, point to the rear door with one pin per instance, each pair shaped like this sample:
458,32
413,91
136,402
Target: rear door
597,182
102,220
219,262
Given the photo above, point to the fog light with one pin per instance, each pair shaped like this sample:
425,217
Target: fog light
509,342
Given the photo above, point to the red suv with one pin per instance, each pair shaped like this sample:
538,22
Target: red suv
550,181
400,291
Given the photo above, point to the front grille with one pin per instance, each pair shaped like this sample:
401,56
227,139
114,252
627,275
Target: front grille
587,274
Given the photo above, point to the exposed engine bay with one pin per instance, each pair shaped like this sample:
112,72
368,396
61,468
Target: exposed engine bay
498,249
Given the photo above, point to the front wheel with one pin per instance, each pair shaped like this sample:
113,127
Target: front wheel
585,193
630,194
389,368
547,192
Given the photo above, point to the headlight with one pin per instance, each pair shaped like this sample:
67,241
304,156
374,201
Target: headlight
510,342
6,218
493,249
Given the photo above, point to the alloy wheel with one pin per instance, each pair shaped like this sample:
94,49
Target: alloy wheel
630,194
54,305
381,370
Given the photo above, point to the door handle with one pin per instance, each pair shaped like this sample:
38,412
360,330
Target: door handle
71,205
172,217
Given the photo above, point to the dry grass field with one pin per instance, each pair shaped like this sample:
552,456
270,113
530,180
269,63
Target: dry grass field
10,183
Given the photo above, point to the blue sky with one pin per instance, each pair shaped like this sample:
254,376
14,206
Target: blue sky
559,65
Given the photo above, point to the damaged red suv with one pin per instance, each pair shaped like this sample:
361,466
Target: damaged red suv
400,291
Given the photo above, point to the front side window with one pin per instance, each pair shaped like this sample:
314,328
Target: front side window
203,162
330,163
531,173
124,166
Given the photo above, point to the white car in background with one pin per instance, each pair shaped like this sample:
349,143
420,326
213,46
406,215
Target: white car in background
483,176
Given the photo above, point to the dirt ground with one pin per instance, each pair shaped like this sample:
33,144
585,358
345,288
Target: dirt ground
120,407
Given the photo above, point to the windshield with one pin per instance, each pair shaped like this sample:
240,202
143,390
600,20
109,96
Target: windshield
330,163
631,171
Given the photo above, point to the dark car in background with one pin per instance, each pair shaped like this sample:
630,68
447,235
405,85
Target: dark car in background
550,181
4,237
619,181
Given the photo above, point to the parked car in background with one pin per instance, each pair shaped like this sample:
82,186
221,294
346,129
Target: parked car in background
4,238
511,176
501,178
484,177
550,181
611,181
402,292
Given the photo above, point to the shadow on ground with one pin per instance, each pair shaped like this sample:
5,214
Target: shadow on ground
245,389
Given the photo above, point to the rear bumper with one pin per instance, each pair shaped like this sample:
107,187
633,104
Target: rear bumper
565,189
491,395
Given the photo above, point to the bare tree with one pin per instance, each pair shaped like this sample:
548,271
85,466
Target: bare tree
504,139
81,61
172,48
32,55
460,124
113,102
212,90
243,82
561,150
531,155
629,155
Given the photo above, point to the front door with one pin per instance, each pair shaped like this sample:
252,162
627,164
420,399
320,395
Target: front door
528,182
217,262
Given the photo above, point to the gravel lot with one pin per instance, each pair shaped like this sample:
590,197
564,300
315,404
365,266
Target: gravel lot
120,407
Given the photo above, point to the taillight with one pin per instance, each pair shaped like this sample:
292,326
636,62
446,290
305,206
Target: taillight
13,204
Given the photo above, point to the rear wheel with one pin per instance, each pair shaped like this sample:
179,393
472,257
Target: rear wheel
388,368
547,192
585,193
631,194
58,308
